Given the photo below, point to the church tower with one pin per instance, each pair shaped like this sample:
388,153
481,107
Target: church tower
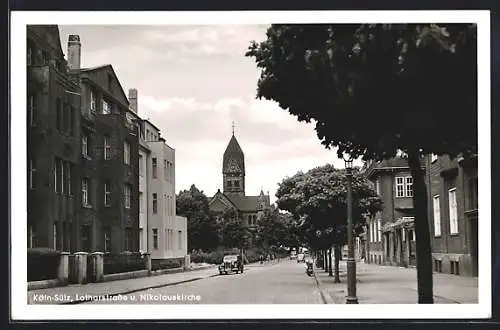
233,168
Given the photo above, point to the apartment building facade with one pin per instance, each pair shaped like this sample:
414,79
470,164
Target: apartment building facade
453,213
162,233
452,188
107,212
390,235
53,147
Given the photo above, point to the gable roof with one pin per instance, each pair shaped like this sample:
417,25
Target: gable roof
109,68
246,203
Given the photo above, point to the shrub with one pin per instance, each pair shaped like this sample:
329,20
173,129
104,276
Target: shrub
170,263
123,262
43,264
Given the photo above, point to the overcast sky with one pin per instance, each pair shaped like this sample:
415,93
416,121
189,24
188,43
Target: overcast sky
193,81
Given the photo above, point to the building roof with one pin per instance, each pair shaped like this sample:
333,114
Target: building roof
111,70
233,151
246,203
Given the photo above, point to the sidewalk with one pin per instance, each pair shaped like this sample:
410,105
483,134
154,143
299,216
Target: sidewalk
395,285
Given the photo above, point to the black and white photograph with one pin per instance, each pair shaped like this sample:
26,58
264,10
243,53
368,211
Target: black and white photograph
250,165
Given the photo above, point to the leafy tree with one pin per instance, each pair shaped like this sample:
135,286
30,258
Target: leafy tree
233,232
274,229
202,230
318,199
355,80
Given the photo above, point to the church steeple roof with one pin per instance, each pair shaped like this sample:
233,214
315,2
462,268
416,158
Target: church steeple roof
233,154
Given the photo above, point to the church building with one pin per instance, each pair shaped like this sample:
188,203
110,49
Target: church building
248,208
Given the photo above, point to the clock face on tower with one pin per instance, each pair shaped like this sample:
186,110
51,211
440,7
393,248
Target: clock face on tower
233,166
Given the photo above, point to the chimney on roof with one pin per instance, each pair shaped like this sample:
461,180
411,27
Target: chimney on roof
74,52
132,99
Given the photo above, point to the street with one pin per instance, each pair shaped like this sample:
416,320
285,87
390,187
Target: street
272,283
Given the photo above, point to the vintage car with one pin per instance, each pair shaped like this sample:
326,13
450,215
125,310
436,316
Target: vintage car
231,263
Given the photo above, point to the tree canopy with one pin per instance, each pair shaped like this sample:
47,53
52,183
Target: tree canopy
201,227
233,232
355,80
318,200
275,229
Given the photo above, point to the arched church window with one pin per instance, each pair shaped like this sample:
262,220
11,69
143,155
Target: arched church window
229,183
236,184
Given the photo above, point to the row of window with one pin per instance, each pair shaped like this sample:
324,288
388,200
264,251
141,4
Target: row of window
86,196
452,213
107,150
376,231
36,56
233,184
106,106
169,239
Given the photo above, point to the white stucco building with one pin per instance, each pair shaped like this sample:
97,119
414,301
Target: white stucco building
163,234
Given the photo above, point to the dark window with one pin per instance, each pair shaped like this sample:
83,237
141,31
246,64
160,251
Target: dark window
45,57
107,239
69,178
29,55
154,168
107,194
155,203
59,114
32,109
230,183
32,174
86,238
155,238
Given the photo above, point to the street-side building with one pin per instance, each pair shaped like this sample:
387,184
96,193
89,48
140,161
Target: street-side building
390,237
144,168
108,180
453,214
162,232
249,208
53,144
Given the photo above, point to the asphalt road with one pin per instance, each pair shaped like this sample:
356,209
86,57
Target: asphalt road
276,283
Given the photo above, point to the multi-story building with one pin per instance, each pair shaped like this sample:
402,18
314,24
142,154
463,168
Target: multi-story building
144,169
107,209
53,131
390,237
163,234
453,214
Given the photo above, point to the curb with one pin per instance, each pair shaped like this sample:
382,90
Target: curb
141,289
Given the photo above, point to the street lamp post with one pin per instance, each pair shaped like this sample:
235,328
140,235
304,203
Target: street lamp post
351,261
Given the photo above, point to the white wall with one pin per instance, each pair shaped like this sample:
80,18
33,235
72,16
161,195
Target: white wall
143,200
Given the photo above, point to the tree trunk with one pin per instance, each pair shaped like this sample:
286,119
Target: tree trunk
325,266
330,262
338,253
423,243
